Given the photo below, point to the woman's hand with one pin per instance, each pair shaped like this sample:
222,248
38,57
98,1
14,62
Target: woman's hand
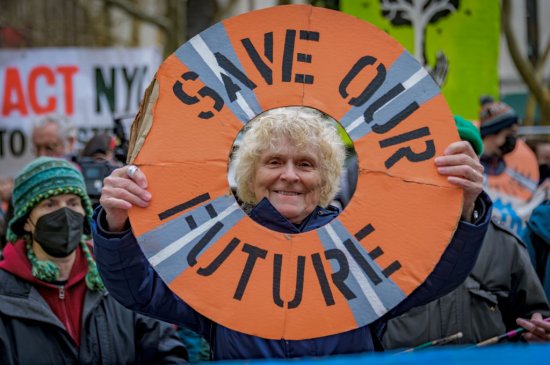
538,330
121,191
462,167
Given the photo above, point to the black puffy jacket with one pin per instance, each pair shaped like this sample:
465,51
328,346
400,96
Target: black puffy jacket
31,334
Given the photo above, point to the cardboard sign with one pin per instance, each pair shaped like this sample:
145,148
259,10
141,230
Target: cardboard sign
513,190
343,275
521,176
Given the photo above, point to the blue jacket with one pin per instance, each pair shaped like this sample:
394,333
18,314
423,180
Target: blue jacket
131,280
537,238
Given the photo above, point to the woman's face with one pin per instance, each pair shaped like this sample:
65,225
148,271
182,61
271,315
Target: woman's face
290,178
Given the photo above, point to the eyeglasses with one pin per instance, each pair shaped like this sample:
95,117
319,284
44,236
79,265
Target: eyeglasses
47,149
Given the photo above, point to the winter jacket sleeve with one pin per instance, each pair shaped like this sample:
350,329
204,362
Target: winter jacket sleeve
132,281
455,264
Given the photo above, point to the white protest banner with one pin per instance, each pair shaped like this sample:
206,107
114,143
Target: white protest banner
91,86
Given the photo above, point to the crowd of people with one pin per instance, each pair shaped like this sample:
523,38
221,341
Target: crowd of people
76,288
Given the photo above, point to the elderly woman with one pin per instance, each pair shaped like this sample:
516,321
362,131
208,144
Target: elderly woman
290,159
287,172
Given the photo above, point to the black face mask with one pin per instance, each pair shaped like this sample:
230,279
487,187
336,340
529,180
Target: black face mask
59,232
509,145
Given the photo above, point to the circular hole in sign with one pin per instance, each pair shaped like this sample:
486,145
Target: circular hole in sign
295,159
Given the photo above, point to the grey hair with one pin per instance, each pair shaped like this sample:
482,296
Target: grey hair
304,127
67,129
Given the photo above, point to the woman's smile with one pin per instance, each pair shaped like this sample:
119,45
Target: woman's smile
289,178
291,193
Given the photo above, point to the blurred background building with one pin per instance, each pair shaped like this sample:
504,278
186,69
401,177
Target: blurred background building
523,67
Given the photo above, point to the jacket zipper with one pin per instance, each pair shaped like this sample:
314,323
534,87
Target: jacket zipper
64,306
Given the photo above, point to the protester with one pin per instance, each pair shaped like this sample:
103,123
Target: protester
53,136
537,233
537,238
511,186
287,171
498,126
101,147
501,288
54,308
6,209
542,150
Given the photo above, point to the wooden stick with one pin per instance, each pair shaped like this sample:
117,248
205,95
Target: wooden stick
440,341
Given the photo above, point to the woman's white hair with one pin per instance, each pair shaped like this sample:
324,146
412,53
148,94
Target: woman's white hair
303,127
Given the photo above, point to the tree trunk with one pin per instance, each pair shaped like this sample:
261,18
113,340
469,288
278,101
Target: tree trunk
530,110
527,72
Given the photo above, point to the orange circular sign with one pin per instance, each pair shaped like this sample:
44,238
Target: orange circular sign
513,189
519,179
343,275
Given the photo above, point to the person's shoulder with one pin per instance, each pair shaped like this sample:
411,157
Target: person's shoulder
541,211
113,309
320,217
504,233
12,285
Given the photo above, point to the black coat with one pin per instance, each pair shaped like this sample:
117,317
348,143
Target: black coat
31,334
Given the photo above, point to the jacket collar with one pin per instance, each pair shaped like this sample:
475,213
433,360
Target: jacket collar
265,214
19,299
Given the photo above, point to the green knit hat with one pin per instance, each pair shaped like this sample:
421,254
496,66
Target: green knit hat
39,180
469,132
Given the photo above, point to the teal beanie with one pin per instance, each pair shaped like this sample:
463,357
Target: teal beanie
39,180
469,132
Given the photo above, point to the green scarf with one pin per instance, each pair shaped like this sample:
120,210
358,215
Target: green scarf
46,270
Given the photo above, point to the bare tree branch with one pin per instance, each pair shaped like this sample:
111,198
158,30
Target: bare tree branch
138,13
529,115
541,94
543,58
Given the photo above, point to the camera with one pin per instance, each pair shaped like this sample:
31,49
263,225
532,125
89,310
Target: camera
94,171
103,153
